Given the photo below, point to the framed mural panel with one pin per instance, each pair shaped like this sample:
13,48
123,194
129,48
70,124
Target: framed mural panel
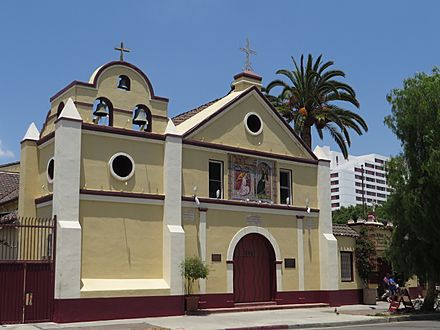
251,179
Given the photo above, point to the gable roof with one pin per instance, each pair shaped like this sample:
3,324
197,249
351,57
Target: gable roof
205,114
9,183
344,230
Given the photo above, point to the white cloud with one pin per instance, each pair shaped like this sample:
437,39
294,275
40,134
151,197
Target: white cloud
4,153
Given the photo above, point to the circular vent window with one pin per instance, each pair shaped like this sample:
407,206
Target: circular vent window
253,123
50,170
121,166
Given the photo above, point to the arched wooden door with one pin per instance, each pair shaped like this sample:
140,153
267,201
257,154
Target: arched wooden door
254,269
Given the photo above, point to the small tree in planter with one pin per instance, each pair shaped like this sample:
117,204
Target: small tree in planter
192,269
365,264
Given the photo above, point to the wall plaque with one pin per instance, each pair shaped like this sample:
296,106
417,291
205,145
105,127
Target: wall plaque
216,257
289,263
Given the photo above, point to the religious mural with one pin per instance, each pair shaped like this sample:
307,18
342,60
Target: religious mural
251,179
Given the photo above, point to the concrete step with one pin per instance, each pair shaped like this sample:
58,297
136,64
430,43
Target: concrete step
252,307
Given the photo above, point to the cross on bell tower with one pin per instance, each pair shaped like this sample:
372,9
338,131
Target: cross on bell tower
248,51
122,50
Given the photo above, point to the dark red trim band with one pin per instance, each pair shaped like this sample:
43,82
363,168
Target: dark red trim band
248,75
101,69
122,131
249,152
121,194
46,138
248,204
43,199
278,262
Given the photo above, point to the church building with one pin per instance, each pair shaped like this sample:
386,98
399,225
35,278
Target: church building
134,192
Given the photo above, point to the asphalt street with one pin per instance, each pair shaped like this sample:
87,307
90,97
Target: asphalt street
422,325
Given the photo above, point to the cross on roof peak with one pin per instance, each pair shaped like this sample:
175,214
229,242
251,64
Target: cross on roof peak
248,51
122,50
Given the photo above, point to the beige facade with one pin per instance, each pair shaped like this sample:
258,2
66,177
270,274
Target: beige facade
126,234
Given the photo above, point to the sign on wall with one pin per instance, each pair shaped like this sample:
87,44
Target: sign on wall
251,179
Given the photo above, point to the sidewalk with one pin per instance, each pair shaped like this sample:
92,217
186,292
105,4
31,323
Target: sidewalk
274,319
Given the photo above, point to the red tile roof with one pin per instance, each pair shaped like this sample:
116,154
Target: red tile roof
344,230
8,186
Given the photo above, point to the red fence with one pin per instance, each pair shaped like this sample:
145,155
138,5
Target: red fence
27,267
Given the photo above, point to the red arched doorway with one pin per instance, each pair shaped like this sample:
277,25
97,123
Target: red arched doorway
254,269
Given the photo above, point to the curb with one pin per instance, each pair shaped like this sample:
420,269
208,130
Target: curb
392,319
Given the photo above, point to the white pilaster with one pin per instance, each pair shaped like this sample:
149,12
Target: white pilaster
300,258
328,247
173,233
202,242
65,202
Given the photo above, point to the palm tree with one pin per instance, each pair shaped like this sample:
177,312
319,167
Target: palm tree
313,97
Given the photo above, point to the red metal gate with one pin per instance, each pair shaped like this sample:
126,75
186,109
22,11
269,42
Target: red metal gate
254,269
27,267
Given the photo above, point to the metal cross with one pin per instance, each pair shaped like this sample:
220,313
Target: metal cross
122,50
248,51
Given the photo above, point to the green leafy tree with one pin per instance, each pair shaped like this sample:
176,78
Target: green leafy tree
314,97
192,269
365,256
414,175
343,214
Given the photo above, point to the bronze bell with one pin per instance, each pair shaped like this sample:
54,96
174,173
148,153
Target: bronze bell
140,117
124,83
101,110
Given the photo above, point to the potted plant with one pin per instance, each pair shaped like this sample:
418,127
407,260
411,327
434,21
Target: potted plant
365,263
192,269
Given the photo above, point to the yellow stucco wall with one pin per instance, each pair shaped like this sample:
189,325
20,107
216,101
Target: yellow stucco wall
44,154
222,225
195,172
98,149
229,129
44,212
348,244
311,254
121,240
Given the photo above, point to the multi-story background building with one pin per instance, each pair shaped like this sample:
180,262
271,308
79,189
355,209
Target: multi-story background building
356,179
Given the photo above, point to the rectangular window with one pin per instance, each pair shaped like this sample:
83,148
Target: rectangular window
369,165
369,172
359,199
357,169
358,191
377,160
334,182
334,189
285,186
371,186
370,193
358,177
334,197
346,266
358,184
215,179
335,204
381,195
334,175
369,179
380,174
380,181
380,168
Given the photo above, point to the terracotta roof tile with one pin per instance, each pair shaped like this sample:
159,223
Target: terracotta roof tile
344,230
186,115
10,217
8,186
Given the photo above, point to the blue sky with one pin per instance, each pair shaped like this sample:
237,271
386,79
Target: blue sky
190,51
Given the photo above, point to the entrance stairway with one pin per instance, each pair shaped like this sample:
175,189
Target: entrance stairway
257,306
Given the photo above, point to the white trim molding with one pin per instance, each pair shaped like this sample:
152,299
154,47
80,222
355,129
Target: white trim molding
230,254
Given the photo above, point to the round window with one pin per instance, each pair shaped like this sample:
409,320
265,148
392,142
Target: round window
253,123
50,170
121,166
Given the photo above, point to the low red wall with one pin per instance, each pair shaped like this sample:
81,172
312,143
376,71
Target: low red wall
93,309
333,297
